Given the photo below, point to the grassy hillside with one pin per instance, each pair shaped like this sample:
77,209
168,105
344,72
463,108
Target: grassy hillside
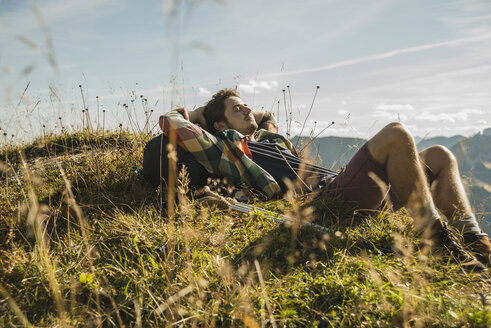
84,243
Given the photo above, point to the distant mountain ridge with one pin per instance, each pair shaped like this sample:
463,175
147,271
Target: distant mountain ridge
448,142
473,155
474,158
330,152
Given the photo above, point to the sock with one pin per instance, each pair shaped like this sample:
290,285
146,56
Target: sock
424,216
467,224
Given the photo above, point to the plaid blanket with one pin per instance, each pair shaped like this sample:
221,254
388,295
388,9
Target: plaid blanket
226,152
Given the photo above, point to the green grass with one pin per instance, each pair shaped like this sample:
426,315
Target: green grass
97,248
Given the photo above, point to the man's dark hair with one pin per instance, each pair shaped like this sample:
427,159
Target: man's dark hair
215,108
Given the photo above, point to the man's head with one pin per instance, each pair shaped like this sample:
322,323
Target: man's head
226,110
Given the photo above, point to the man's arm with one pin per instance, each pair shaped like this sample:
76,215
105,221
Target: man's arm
258,116
203,145
197,117
265,121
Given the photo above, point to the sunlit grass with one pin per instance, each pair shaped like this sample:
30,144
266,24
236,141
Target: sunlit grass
85,243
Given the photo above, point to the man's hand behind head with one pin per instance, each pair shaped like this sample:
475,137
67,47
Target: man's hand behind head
197,117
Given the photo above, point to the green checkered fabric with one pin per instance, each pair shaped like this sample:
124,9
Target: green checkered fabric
222,154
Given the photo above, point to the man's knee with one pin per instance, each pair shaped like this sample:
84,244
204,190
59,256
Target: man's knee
396,132
392,139
392,136
440,151
439,156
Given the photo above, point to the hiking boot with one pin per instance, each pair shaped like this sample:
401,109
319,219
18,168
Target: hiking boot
438,236
480,246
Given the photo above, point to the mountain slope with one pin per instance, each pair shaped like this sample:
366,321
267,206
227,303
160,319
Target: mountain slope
330,152
448,142
474,157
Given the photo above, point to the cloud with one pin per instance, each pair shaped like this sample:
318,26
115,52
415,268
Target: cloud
324,127
442,117
394,107
203,92
462,115
453,130
473,111
468,16
389,115
343,131
342,112
413,128
389,54
254,86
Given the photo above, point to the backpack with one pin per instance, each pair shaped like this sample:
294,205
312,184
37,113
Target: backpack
156,163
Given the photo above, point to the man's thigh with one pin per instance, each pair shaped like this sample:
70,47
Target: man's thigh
362,182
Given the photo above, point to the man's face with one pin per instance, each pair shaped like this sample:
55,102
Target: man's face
239,116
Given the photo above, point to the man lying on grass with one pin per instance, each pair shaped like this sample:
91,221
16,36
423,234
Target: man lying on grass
230,140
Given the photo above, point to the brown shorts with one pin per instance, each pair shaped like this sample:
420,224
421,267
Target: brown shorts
354,184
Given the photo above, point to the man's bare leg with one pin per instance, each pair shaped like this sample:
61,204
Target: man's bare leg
447,189
395,147
450,198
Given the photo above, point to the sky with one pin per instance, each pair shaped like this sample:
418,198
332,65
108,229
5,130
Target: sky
424,63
